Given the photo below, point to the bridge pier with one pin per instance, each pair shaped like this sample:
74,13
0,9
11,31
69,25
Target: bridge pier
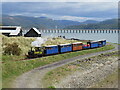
103,31
76,31
106,31
67,31
91,31
118,31
88,31
97,31
73,31
82,31
112,31
70,31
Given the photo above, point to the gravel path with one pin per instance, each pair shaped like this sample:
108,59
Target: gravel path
33,78
90,76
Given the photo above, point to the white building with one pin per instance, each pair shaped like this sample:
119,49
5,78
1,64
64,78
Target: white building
11,30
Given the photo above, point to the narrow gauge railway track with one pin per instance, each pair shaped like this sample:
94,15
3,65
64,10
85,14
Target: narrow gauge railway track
25,59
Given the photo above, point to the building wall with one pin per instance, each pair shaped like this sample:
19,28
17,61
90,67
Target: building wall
6,34
19,34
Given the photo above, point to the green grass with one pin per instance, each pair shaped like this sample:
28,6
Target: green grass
12,69
51,87
54,76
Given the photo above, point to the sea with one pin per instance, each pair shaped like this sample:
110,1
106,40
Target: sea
110,37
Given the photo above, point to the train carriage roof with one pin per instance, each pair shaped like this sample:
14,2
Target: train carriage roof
76,42
65,44
51,45
101,40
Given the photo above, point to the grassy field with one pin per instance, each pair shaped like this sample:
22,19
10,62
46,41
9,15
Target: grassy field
12,69
55,75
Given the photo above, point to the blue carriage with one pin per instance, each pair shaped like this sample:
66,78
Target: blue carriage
65,48
101,43
51,49
93,44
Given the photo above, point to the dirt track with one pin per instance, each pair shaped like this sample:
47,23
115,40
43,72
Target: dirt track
91,74
33,78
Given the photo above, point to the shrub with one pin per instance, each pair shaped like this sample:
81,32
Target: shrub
12,49
51,87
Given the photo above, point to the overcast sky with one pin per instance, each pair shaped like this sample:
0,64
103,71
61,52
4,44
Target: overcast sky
76,11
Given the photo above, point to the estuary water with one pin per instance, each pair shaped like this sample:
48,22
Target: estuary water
110,37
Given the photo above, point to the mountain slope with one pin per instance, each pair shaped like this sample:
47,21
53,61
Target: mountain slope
47,23
107,24
39,22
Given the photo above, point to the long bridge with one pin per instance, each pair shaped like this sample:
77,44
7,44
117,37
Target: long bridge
79,30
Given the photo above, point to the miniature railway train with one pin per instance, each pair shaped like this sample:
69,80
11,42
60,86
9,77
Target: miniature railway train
63,48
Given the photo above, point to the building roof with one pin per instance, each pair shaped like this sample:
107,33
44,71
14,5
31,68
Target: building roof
16,31
13,30
36,30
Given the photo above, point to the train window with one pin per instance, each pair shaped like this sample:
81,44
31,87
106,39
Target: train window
62,46
36,49
100,42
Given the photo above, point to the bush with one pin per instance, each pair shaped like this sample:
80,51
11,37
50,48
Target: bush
12,49
51,87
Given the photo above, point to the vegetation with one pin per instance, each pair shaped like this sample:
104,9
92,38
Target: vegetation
12,49
57,41
23,42
51,87
11,69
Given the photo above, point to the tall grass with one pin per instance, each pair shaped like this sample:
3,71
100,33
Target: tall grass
23,42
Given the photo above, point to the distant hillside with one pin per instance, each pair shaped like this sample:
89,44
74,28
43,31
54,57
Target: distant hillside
90,22
28,21
107,24
47,23
39,22
68,22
